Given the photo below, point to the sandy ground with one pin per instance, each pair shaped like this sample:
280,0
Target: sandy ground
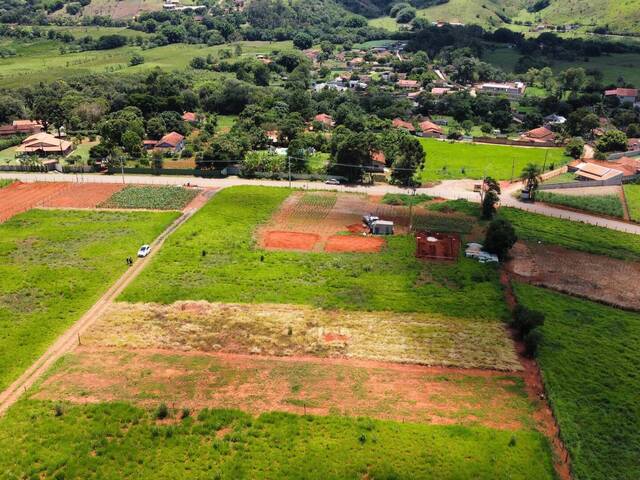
595,277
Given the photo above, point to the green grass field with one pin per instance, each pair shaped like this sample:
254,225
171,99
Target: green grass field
95,31
632,195
574,235
41,61
5,182
601,204
446,160
154,198
589,360
232,270
121,441
53,266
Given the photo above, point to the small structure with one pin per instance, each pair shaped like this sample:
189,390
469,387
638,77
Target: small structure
171,142
437,246
399,123
190,117
325,119
591,171
408,84
625,95
382,227
475,250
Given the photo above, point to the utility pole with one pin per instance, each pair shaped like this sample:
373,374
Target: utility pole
513,167
413,189
122,167
289,165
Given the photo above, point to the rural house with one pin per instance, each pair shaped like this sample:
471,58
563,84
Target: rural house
408,84
625,95
190,117
399,123
44,144
539,135
172,142
21,127
429,129
511,90
326,120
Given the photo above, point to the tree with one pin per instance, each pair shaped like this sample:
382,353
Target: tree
490,199
198,63
500,237
408,162
406,15
156,128
612,141
351,154
575,148
302,41
531,177
524,320
132,143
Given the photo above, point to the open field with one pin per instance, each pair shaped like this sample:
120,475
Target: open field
612,66
258,384
609,205
54,264
292,330
153,198
589,359
596,277
42,61
97,31
115,440
19,197
447,160
231,269
81,195
533,227
632,196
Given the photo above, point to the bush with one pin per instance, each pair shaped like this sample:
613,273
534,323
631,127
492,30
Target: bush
58,410
531,342
162,412
406,15
186,413
136,59
500,237
525,320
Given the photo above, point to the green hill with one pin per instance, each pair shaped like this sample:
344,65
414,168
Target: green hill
619,16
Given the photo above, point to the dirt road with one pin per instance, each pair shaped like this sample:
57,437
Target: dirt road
70,339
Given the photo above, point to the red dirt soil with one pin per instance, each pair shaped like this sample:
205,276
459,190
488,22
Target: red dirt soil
82,195
290,240
20,197
352,243
260,383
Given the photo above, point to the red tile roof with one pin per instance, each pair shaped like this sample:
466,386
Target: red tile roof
399,123
622,92
430,127
172,139
324,118
408,83
189,117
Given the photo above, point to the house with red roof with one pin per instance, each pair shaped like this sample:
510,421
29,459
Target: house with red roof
21,127
430,129
625,95
44,144
399,123
408,84
539,135
326,120
171,142
190,117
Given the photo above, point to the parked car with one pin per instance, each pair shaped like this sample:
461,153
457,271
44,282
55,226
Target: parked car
144,251
332,181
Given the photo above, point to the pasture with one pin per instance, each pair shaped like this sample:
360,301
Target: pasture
589,359
450,160
54,265
116,440
40,61
214,257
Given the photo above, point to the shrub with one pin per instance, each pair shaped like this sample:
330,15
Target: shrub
162,411
525,320
186,413
57,410
500,237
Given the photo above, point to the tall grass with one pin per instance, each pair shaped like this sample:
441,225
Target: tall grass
601,204
589,357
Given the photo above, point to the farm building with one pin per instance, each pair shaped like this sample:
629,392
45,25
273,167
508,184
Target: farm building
437,246
591,171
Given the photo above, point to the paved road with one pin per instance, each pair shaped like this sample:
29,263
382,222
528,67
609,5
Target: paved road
449,189
69,339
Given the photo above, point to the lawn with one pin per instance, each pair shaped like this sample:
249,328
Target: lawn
5,182
121,441
213,257
574,235
405,199
82,150
53,266
589,358
567,177
154,198
601,204
447,160
632,195
8,155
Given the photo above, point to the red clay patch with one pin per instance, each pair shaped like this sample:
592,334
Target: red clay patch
20,197
351,243
290,240
82,195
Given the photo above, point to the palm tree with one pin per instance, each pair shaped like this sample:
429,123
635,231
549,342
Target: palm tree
531,177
